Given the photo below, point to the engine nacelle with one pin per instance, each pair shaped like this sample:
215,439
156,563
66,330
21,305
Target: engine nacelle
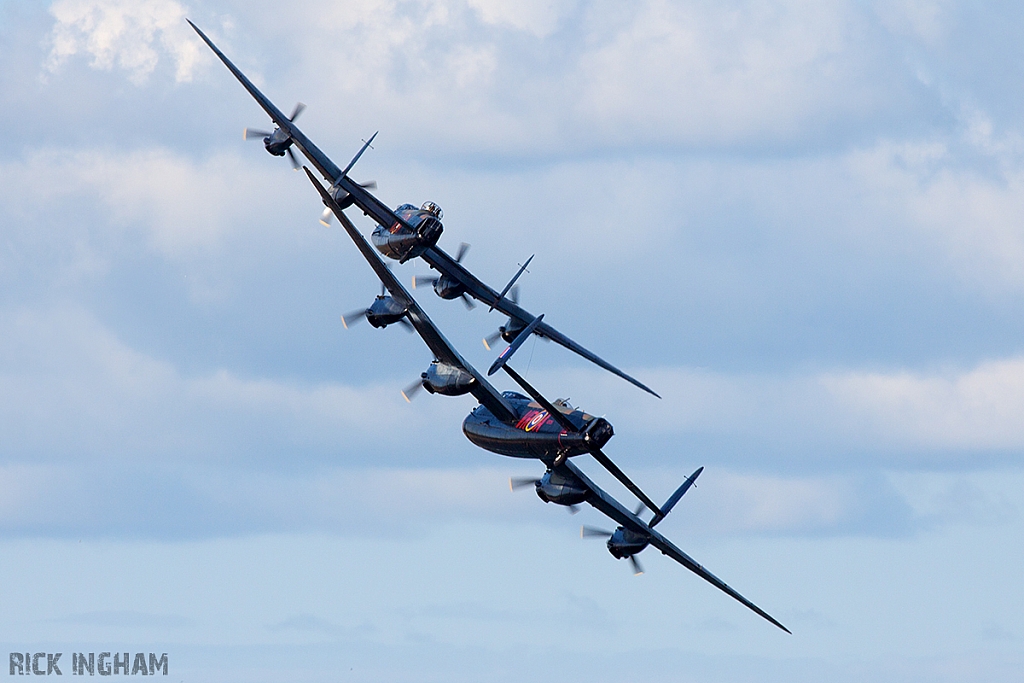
561,490
277,143
625,543
448,288
384,311
511,329
343,198
447,380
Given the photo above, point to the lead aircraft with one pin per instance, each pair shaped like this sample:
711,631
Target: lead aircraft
519,426
404,233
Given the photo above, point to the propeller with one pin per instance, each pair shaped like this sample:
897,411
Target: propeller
516,483
594,532
355,316
256,134
432,279
409,393
328,215
352,318
490,339
428,280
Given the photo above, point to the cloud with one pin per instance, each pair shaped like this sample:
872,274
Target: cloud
128,34
550,78
73,391
977,409
828,419
539,17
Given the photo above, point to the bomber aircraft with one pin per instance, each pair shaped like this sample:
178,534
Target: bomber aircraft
511,424
406,232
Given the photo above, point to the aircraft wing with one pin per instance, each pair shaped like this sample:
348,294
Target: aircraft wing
613,509
383,215
442,349
480,291
369,204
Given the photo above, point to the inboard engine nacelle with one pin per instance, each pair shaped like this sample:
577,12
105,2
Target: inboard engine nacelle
447,380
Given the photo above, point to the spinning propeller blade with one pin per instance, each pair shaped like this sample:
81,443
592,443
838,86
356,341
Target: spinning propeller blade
352,318
417,281
255,134
299,107
593,532
637,567
328,216
500,361
410,391
567,425
463,248
467,302
292,158
490,339
516,483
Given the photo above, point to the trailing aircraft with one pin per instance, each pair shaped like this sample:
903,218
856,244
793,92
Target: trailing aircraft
407,232
531,426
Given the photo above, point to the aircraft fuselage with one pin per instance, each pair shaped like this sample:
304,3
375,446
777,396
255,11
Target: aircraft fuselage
417,231
535,434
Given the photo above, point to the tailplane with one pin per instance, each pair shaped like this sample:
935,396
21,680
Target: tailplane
674,498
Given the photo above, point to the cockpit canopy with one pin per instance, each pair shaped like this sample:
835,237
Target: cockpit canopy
433,209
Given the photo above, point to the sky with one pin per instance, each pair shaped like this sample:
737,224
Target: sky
801,223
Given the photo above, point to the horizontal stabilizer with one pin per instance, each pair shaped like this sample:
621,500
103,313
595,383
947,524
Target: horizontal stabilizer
352,163
674,498
511,282
514,346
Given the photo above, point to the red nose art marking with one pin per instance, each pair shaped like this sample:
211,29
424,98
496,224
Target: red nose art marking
533,420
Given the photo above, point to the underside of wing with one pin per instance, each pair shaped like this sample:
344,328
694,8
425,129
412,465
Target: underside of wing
442,349
604,503
480,291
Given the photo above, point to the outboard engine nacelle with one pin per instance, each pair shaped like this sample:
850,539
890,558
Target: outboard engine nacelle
598,432
625,543
341,196
447,380
561,490
384,311
448,288
277,142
